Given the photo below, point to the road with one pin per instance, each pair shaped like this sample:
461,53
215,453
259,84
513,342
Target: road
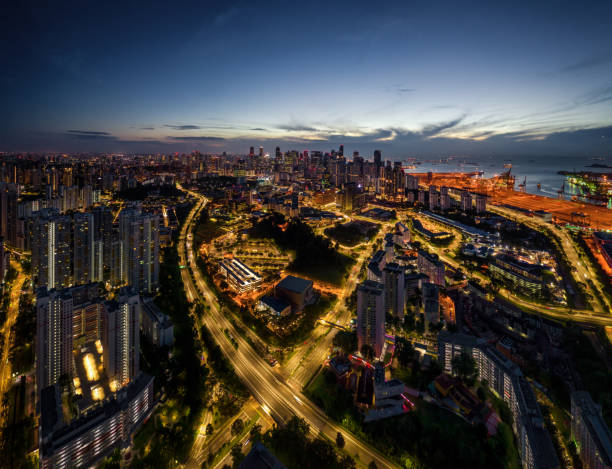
583,270
268,387
11,317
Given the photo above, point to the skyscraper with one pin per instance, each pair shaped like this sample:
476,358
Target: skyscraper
341,150
252,151
54,336
140,249
371,316
51,250
393,280
121,337
432,266
466,201
377,161
9,193
83,249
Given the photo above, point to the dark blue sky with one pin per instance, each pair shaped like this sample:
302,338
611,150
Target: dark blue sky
411,78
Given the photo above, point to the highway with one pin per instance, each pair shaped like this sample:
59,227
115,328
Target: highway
269,388
11,317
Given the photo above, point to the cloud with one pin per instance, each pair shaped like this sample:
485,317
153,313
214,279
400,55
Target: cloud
183,127
201,138
590,62
146,128
297,128
259,129
90,135
433,130
87,132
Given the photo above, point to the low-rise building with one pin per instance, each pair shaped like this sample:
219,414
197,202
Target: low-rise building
295,290
522,275
274,306
239,276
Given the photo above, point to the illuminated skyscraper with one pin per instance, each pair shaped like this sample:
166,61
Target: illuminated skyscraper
393,280
371,316
139,234
121,337
51,250
83,252
53,337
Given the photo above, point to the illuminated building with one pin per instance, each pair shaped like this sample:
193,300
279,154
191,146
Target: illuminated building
432,266
481,203
54,334
466,201
121,336
393,281
239,276
506,380
83,252
590,432
9,193
445,201
155,325
297,291
371,316
431,303
522,275
51,250
139,234
96,433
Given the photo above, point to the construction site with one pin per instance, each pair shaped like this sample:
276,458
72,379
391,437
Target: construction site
500,190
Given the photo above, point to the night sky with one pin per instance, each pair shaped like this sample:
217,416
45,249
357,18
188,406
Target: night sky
411,78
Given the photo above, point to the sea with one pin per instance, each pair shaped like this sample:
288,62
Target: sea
528,169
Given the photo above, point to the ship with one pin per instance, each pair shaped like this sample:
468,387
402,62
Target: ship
591,187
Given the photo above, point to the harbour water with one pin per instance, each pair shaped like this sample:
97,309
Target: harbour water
533,170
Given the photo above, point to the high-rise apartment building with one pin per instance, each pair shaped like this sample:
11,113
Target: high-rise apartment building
445,201
121,337
590,432
51,249
466,201
481,203
371,316
139,234
9,193
83,259
432,266
393,281
54,336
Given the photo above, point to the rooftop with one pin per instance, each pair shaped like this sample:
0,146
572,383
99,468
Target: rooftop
294,284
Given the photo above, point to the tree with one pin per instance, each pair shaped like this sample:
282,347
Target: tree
255,433
339,440
209,429
464,367
367,351
237,427
372,465
237,455
404,352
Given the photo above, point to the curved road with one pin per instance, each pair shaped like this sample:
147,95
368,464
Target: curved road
268,387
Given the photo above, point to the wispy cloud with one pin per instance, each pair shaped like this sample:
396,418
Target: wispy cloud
297,128
90,135
259,129
587,63
433,130
183,127
200,138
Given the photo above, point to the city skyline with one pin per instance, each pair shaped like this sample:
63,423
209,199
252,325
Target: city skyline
509,79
